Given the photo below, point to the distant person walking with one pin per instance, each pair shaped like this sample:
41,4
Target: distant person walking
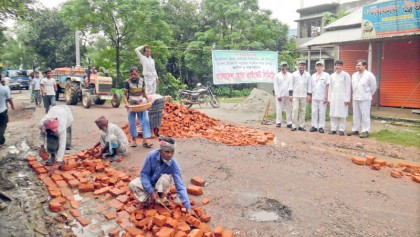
281,91
149,70
300,92
339,95
4,117
36,89
48,90
364,86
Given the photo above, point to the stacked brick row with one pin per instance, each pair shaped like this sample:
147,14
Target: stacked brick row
399,170
89,175
181,122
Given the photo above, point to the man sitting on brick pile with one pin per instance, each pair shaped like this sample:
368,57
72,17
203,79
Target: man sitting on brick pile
159,172
55,130
113,139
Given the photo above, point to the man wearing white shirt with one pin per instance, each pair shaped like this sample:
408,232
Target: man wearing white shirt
300,91
339,95
281,90
149,70
320,81
364,86
48,90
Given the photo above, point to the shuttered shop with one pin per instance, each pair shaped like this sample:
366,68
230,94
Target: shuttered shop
400,73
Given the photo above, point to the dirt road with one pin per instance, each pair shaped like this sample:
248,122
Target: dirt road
301,185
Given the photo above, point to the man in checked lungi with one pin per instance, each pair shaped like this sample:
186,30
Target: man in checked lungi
155,113
55,132
160,171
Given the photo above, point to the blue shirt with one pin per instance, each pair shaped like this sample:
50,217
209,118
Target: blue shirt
154,167
4,96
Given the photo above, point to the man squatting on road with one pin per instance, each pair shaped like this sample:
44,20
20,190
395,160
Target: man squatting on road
160,171
112,139
55,130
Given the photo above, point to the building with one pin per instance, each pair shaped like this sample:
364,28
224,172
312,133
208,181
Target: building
392,50
311,25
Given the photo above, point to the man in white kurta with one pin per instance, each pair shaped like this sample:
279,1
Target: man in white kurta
320,81
364,86
300,91
281,91
112,139
339,95
149,70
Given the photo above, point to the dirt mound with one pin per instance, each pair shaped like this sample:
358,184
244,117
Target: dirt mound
256,102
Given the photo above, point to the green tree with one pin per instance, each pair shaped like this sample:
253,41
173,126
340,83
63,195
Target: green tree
15,8
125,23
289,54
329,18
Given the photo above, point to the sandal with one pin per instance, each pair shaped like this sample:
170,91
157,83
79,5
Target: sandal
147,145
133,144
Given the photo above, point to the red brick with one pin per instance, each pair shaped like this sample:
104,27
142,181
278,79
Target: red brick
116,204
83,221
227,233
180,234
196,233
205,218
380,162
194,221
151,212
41,170
172,223
75,204
67,177
55,206
56,177
358,160
99,168
123,198
54,192
196,180
218,231
69,166
375,166
75,213
61,183
159,220
116,191
369,159
102,190
74,183
123,214
143,222
102,208
134,231
114,232
110,215
83,188
83,180
184,227
206,201
194,190
60,199
165,232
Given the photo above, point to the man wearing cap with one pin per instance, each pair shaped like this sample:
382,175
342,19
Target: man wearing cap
160,171
55,131
300,91
48,90
4,117
112,139
149,70
364,86
339,94
320,81
281,91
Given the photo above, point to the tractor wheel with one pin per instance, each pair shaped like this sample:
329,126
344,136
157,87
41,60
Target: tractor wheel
86,100
116,100
72,93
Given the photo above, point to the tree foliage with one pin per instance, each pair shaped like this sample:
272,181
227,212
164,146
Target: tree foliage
329,18
15,8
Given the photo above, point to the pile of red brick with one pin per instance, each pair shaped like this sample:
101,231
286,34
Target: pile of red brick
90,175
398,171
181,122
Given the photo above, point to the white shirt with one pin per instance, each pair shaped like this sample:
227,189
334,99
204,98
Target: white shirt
37,83
319,85
65,119
48,85
301,85
118,132
281,84
147,62
339,91
4,96
363,85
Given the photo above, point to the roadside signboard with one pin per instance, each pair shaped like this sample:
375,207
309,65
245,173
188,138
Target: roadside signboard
391,18
235,67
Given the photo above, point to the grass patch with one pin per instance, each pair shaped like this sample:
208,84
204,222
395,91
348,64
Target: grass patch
405,138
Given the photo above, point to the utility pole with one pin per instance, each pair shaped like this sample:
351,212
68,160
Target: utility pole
77,40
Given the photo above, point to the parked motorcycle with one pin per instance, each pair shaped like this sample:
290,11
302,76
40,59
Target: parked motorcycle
200,95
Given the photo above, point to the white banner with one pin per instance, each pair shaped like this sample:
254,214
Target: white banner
234,67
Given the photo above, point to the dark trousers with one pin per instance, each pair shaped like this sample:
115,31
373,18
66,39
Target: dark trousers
4,119
53,142
49,100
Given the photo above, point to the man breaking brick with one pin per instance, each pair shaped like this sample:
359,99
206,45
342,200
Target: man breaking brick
160,171
55,131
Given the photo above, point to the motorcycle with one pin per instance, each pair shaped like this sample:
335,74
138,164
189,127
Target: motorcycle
200,95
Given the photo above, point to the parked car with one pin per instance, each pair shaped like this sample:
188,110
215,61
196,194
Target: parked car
17,77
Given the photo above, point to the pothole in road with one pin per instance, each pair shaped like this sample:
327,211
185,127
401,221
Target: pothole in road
270,210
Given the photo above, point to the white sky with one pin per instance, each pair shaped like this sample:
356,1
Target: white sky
284,10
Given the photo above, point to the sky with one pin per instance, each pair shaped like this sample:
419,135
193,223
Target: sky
284,10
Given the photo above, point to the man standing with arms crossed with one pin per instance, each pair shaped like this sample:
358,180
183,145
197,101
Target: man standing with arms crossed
281,90
320,81
339,95
149,70
300,91
364,86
